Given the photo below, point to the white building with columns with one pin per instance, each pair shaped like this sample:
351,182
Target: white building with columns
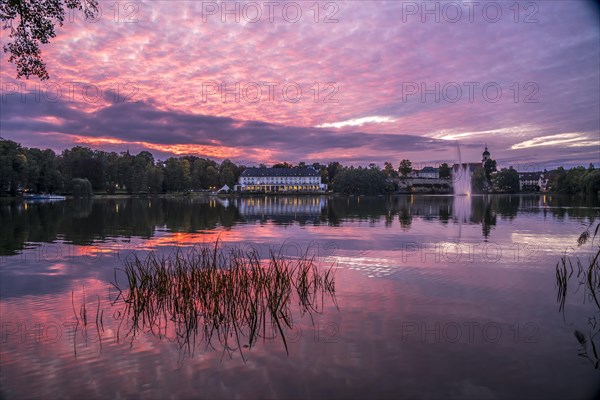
280,180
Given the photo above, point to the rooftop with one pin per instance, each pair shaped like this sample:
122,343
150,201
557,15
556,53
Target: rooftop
430,169
253,172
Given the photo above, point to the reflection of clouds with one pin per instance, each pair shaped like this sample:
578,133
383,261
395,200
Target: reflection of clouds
373,314
372,267
555,244
38,352
57,269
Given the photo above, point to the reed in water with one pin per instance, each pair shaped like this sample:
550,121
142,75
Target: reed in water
587,276
231,296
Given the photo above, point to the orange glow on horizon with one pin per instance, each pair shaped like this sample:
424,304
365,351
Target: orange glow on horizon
177,149
221,152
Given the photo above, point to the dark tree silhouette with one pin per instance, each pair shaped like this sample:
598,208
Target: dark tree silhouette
489,167
444,171
405,168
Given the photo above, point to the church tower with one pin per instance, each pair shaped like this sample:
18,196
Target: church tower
486,156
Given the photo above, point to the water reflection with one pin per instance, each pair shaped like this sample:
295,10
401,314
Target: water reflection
224,299
281,209
404,282
462,206
87,222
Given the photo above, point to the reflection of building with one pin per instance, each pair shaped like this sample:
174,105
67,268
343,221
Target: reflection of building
423,206
533,181
281,207
280,180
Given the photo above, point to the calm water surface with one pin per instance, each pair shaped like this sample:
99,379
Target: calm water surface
435,297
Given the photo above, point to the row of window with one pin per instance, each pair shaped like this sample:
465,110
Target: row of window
277,179
280,188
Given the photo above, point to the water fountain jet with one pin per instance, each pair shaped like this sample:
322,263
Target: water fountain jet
461,180
461,185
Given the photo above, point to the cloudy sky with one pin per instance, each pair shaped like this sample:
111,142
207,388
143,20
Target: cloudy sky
351,81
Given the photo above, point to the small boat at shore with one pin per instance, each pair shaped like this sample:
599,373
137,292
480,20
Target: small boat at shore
43,197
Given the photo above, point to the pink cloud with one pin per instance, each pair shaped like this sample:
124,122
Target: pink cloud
171,58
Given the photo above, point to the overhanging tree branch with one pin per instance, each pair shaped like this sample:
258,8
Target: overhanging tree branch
36,22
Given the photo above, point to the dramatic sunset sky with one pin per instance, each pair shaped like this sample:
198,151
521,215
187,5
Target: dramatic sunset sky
369,60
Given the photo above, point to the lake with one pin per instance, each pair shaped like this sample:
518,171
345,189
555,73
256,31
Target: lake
435,297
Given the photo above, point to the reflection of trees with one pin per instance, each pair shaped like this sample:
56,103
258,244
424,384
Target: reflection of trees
405,218
329,215
360,207
388,208
588,276
484,213
25,222
389,219
84,223
357,208
489,220
444,213
82,208
561,206
110,218
507,206
192,216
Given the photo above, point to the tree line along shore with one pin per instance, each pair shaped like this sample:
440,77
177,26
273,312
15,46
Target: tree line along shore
82,172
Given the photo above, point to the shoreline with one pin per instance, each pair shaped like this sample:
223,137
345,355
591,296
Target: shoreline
183,195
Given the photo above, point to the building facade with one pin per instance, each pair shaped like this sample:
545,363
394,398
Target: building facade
280,180
533,181
427,173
